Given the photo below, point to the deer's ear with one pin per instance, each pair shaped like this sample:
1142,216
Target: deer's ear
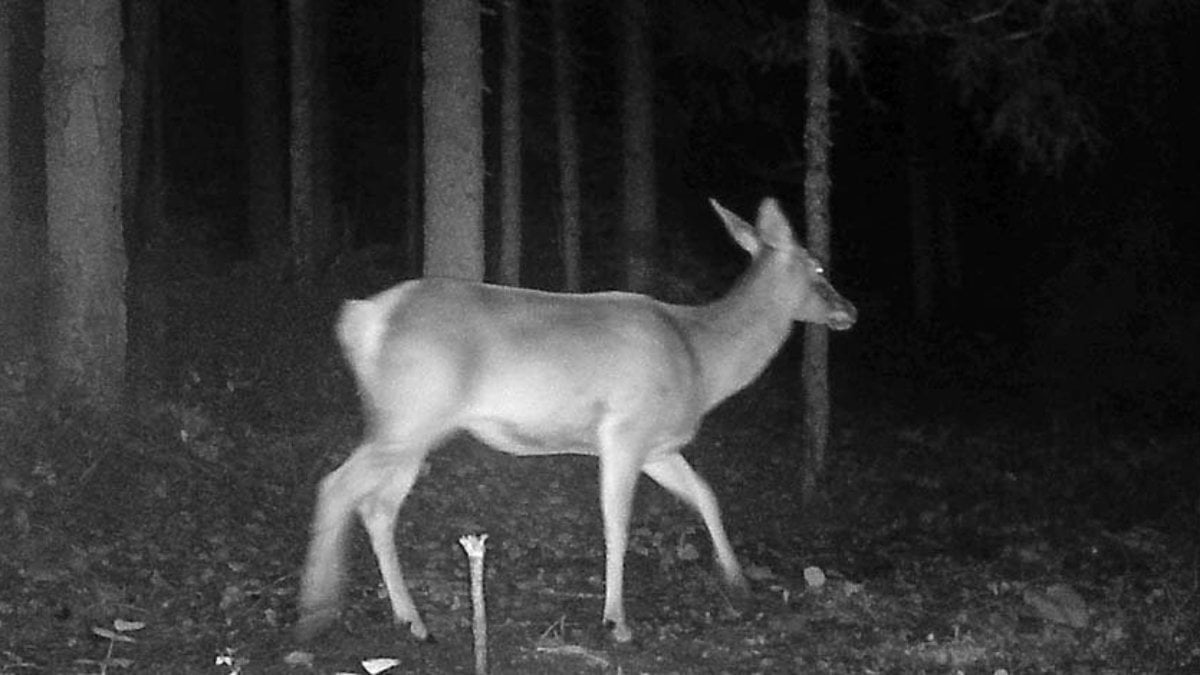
741,231
773,226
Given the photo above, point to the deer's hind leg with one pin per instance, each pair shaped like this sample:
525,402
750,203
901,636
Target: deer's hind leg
679,478
379,511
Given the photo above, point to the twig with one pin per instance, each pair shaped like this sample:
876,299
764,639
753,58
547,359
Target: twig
473,545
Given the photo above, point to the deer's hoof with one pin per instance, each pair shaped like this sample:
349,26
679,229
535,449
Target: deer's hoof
313,623
619,632
418,631
738,586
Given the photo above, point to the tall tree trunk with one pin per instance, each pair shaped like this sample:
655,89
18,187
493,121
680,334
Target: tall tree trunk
453,140
639,185
510,146
301,212
265,124
330,234
570,234
414,174
10,318
82,73
146,239
817,184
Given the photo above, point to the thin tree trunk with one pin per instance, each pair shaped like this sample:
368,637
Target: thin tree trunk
639,188
414,175
817,184
510,146
82,74
266,124
453,140
568,146
329,233
9,250
301,216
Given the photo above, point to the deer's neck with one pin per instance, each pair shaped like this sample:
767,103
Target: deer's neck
734,338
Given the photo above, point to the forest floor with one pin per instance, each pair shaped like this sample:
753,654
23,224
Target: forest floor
169,541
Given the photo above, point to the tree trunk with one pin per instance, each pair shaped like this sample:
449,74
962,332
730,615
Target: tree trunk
453,140
82,73
329,233
570,233
265,124
637,114
302,223
510,146
817,184
10,319
313,240
414,163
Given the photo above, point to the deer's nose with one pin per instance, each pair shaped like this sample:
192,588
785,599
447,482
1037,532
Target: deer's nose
843,317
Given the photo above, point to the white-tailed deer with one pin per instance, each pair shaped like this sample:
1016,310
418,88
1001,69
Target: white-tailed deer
620,376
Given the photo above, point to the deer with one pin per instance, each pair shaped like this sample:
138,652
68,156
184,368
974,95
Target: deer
619,376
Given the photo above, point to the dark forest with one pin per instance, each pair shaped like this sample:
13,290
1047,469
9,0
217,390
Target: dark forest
913,286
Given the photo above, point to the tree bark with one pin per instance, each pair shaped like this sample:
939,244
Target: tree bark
639,186
330,234
453,140
82,74
510,146
570,234
817,185
265,124
10,318
309,208
414,163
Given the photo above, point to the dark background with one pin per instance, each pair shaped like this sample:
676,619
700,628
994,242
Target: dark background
1079,286
1036,432
1079,281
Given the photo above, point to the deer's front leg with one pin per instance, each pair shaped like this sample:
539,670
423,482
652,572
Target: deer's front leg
619,469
